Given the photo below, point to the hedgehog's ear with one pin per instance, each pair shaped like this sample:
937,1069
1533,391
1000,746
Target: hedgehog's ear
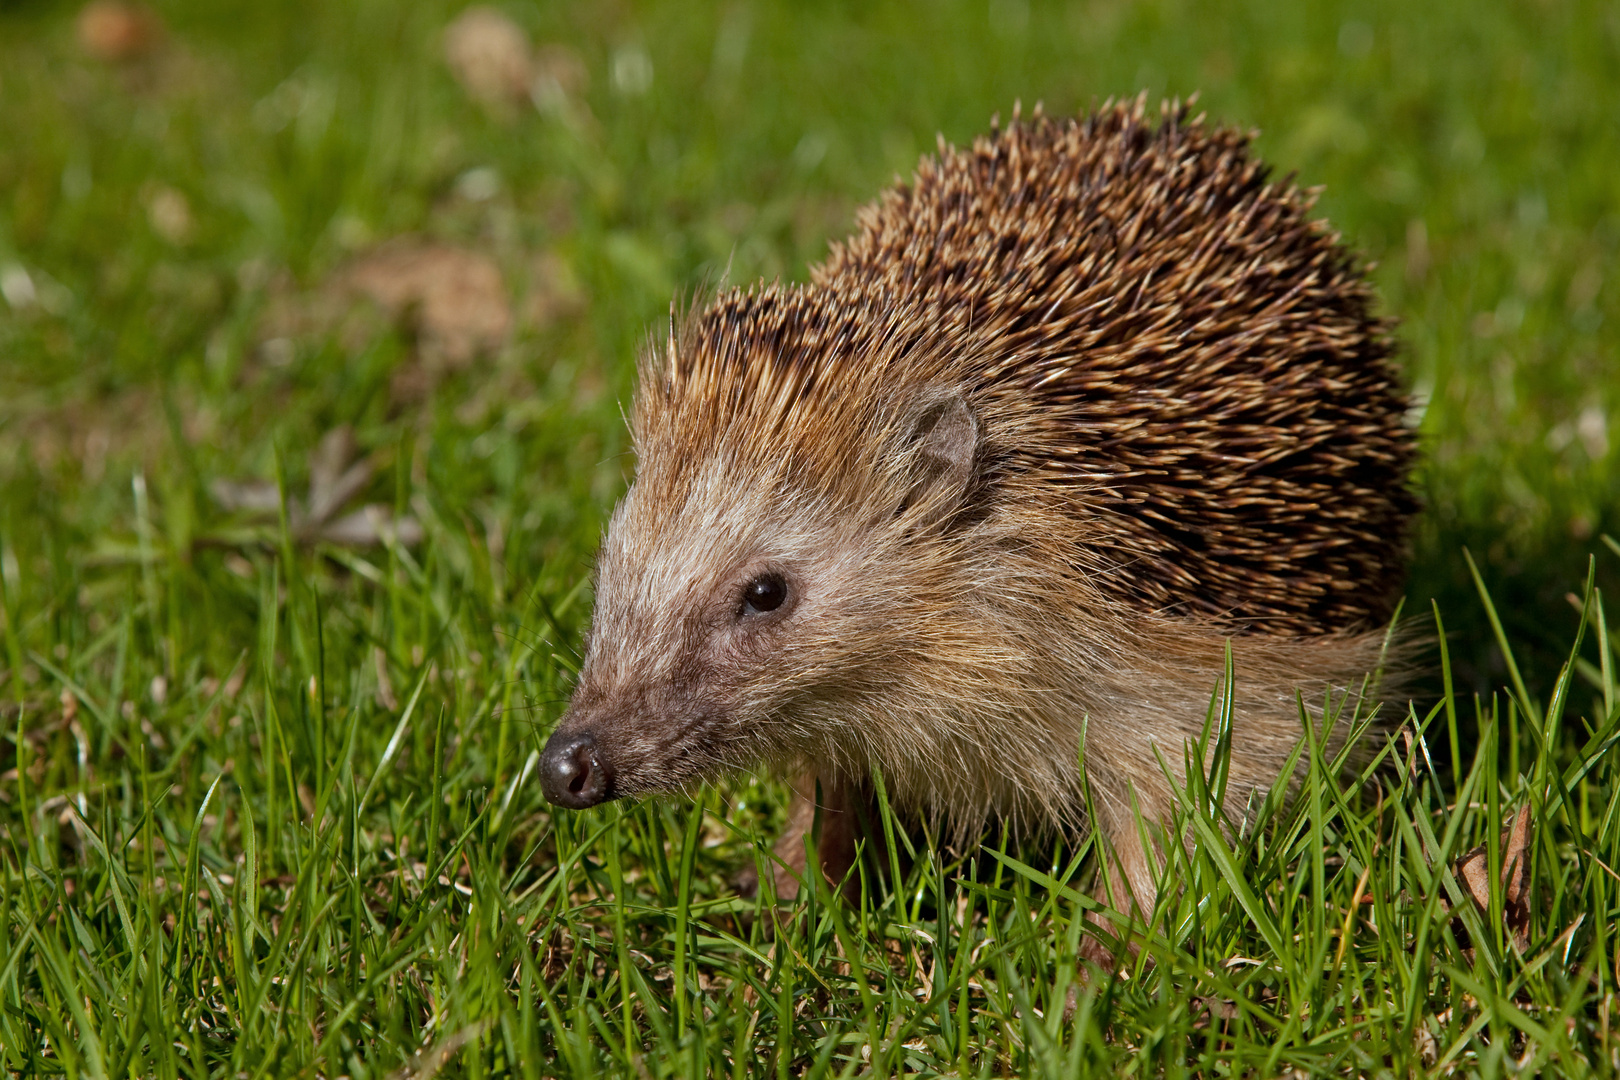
943,438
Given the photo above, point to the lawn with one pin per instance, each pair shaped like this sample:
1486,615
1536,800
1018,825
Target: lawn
295,549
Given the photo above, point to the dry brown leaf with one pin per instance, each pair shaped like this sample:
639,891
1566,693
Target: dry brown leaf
385,686
253,497
489,56
1473,870
113,31
371,524
451,302
453,299
331,484
334,480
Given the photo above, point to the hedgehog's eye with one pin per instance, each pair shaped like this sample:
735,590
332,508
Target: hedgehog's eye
765,593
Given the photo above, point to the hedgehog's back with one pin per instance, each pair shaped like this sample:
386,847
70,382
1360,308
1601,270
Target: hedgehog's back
1147,329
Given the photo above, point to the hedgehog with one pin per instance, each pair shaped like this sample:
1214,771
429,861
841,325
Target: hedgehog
983,509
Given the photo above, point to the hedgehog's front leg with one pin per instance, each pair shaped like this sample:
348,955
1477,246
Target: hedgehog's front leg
840,806
1125,881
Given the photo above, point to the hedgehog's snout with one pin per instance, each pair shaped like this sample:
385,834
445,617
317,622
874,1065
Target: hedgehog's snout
574,772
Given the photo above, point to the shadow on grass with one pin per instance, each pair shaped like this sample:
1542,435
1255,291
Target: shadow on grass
1530,584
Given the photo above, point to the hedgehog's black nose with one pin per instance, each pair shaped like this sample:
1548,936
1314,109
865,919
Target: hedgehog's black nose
573,773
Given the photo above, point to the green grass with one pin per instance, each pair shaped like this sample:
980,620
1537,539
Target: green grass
265,806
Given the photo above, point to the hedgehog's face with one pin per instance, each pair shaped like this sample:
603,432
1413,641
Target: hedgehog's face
738,610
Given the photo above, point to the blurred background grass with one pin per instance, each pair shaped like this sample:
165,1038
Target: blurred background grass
225,232
159,196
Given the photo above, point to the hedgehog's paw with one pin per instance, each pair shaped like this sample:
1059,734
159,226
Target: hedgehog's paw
833,805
